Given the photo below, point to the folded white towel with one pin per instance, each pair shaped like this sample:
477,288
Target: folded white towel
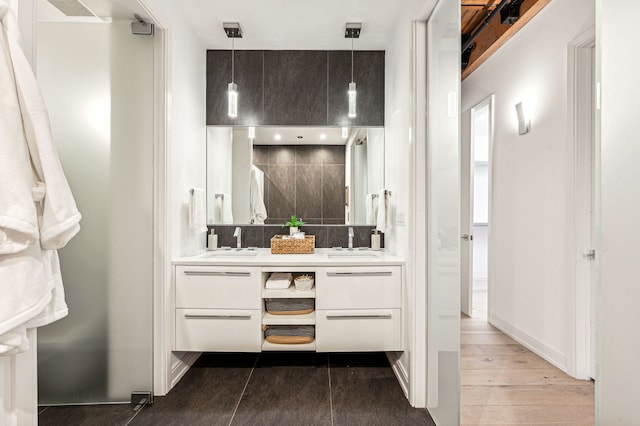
226,208
198,210
60,216
382,221
279,281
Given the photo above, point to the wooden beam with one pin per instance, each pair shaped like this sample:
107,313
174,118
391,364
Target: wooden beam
496,34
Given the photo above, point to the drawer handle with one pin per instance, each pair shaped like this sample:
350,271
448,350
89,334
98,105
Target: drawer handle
332,317
360,274
219,273
198,316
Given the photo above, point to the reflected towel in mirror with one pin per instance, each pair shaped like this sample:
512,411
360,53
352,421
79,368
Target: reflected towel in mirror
226,209
371,208
382,221
257,209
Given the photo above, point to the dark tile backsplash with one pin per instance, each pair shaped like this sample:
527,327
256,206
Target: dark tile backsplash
303,180
327,236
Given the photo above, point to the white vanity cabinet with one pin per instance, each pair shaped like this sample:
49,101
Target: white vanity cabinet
217,308
359,309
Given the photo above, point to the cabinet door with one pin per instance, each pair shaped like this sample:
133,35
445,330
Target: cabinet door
359,287
359,330
295,87
223,287
368,74
249,78
219,330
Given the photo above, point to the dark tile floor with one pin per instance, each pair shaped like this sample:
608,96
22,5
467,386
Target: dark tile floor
271,388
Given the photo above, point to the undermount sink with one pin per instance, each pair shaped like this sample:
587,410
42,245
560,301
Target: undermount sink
353,253
232,253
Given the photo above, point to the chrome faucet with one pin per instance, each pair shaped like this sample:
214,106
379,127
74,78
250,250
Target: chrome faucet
350,237
238,234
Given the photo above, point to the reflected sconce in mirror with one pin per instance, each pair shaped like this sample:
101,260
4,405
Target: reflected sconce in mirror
352,31
524,124
233,31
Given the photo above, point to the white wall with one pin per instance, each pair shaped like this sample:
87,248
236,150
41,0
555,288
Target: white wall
618,377
398,178
185,168
398,153
528,288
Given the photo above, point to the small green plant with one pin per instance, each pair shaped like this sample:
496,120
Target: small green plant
294,222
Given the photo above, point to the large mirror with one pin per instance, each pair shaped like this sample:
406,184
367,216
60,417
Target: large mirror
324,175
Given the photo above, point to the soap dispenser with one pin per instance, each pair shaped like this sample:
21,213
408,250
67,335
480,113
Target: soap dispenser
375,240
212,243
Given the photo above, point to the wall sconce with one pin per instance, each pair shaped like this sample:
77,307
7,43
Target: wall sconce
233,31
352,31
345,132
252,132
524,124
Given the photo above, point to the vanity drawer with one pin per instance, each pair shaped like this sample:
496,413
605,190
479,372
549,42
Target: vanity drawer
347,330
359,287
221,330
217,287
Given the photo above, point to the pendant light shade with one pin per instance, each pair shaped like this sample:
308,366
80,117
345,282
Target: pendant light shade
352,99
352,31
233,31
232,94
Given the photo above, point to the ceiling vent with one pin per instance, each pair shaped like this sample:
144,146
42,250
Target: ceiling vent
72,8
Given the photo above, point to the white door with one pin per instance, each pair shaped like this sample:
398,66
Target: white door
466,215
443,213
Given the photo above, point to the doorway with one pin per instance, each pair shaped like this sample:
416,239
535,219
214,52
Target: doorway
582,108
97,79
477,129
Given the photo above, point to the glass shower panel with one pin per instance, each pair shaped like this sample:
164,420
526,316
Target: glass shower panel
97,80
443,223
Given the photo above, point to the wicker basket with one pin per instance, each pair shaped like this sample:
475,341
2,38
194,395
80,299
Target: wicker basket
280,245
303,282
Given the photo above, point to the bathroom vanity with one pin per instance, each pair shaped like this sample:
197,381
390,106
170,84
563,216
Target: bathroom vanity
219,301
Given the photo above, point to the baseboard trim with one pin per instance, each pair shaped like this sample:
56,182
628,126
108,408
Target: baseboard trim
534,345
400,371
180,368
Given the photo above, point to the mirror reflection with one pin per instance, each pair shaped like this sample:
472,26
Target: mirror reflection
322,175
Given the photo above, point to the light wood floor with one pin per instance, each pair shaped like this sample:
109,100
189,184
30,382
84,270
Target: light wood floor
504,383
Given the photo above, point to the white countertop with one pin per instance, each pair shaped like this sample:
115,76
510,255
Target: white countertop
264,257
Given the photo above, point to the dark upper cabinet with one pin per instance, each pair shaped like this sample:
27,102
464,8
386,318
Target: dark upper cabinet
248,75
368,74
295,87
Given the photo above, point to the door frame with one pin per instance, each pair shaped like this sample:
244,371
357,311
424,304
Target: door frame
490,102
580,92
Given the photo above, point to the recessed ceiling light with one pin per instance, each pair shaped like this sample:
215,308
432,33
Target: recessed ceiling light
323,136
278,137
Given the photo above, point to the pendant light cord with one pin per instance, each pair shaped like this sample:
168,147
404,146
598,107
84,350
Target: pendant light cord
352,59
233,40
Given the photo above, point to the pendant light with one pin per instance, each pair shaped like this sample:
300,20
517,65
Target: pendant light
352,31
233,31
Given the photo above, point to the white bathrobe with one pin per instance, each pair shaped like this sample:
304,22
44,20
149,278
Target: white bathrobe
38,214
